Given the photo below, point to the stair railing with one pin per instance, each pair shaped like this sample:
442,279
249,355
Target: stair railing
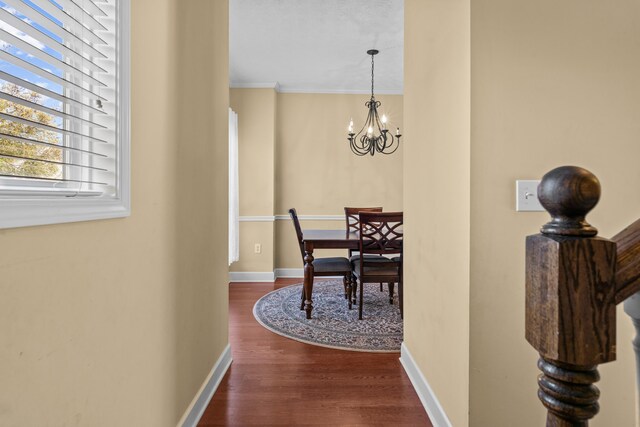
574,280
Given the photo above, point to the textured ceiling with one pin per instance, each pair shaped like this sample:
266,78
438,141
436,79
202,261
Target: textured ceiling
316,45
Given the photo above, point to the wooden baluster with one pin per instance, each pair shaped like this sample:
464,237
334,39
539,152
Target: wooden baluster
632,308
570,298
628,284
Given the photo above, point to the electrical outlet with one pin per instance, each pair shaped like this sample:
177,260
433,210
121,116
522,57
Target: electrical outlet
257,248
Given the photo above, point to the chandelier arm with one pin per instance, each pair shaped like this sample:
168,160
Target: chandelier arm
395,146
394,150
394,142
356,150
362,141
365,142
365,122
359,135
388,142
372,117
377,118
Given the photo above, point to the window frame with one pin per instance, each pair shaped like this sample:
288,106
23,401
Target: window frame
35,206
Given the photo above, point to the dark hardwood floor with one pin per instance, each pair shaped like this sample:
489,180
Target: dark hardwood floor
277,381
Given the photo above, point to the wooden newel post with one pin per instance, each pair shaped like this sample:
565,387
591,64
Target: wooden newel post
570,293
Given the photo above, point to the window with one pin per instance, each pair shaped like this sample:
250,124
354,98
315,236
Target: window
234,190
64,111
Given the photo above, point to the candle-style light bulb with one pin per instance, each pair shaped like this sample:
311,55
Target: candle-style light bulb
351,126
397,131
384,122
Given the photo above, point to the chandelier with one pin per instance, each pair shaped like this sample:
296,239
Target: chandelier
376,138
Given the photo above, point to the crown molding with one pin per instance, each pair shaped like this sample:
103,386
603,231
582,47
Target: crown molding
265,85
292,89
286,89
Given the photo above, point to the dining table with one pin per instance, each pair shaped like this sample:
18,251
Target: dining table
322,239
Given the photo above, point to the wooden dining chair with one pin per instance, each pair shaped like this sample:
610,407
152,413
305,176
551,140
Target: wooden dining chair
380,234
328,266
353,225
352,218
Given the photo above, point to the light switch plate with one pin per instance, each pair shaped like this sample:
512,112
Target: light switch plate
527,196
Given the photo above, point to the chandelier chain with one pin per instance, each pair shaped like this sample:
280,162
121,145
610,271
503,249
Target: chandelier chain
371,76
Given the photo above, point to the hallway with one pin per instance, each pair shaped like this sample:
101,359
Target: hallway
277,381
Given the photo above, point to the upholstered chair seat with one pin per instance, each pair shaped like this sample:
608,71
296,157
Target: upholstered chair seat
331,264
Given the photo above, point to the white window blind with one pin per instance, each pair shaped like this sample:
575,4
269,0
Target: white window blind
64,110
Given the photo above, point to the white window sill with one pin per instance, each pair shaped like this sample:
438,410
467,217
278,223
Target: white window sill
23,213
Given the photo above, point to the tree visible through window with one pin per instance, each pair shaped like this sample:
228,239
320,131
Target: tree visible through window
14,155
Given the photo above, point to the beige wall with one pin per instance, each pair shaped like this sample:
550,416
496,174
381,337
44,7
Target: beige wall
436,198
553,83
315,171
113,323
256,110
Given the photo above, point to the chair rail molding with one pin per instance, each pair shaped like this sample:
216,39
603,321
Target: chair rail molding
257,218
271,218
312,217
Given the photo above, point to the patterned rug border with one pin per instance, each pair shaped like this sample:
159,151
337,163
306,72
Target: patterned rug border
302,340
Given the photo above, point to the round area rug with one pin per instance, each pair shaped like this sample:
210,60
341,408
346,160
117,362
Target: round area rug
333,324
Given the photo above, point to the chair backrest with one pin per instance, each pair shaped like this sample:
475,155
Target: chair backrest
296,225
352,218
381,233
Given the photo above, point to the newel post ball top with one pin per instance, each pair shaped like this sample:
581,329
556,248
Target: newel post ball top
568,193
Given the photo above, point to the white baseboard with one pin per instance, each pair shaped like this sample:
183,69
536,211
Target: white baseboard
290,272
199,403
429,400
267,276
252,276
298,273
